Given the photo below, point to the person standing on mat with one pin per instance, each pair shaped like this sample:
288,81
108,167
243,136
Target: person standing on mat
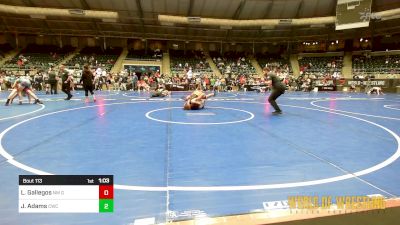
52,81
278,88
87,79
66,82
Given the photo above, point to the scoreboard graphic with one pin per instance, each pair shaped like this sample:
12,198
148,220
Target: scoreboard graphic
66,194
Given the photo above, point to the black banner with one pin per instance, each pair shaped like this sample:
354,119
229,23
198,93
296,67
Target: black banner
66,179
379,83
176,87
326,88
255,87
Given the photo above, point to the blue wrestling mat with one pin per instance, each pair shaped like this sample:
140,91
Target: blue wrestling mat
232,157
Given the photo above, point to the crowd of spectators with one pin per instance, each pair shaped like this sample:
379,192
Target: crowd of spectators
189,62
95,57
37,57
367,65
35,62
233,63
320,66
267,60
189,70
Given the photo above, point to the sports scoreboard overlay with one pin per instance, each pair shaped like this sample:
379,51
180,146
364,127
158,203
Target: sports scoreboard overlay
66,193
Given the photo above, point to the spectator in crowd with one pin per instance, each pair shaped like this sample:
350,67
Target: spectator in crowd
2,80
109,81
124,82
134,81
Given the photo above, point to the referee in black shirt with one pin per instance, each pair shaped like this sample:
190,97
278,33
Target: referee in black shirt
87,79
278,88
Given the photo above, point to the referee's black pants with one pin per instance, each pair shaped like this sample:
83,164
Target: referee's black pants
66,88
274,95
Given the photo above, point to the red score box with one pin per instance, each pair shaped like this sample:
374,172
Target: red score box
106,192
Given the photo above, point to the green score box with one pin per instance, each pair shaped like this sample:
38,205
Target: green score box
106,205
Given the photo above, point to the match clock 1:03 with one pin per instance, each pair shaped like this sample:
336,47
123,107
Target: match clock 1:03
104,180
